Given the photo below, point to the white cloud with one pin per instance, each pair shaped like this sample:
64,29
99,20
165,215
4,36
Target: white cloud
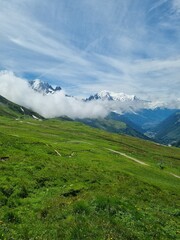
53,105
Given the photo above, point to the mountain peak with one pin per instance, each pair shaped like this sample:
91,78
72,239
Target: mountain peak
112,96
43,87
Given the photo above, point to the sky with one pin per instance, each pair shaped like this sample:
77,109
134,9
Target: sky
86,46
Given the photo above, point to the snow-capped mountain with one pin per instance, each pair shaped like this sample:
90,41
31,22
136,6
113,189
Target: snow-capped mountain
112,96
119,103
43,87
128,102
128,108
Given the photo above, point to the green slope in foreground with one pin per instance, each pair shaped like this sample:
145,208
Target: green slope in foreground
62,180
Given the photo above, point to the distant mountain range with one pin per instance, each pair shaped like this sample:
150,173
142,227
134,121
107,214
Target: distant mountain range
141,115
128,114
112,96
128,105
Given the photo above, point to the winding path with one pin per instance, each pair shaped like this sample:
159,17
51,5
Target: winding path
136,160
127,156
174,175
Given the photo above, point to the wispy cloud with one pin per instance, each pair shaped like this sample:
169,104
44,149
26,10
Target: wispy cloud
176,5
87,46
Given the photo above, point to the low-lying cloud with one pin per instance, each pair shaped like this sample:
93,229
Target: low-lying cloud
53,105
18,90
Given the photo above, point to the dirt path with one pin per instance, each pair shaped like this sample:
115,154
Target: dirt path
136,160
174,175
127,156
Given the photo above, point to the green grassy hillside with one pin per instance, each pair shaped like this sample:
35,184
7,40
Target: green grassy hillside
10,109
168,131
64,180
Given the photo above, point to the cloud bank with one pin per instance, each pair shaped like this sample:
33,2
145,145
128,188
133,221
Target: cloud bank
18,90
53,105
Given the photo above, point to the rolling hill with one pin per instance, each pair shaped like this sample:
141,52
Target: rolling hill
64,180
114,126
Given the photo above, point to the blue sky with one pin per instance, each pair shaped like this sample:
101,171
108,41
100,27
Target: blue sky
85,46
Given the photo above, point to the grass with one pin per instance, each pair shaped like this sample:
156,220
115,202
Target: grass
85,191
113,126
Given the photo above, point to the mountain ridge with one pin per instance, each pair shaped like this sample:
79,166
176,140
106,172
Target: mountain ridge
114,126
